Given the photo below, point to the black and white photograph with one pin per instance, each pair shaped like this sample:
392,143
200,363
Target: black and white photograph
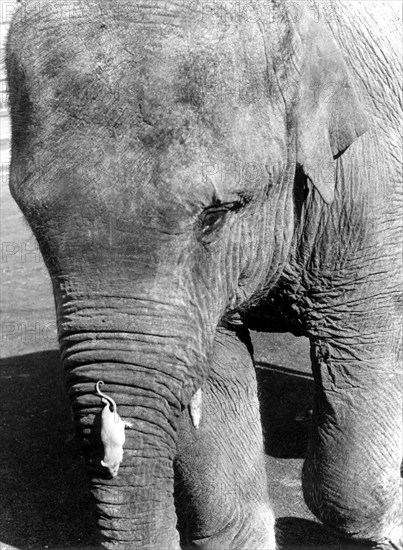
201,228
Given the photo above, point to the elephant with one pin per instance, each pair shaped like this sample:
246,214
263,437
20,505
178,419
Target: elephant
192,171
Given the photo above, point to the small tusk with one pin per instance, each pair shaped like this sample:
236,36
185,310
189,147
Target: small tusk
195,408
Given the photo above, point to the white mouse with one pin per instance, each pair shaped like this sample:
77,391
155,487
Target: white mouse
112,433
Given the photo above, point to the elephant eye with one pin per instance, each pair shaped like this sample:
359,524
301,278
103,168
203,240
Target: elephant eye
213,218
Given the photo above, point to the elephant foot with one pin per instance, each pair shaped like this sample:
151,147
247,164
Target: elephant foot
256,532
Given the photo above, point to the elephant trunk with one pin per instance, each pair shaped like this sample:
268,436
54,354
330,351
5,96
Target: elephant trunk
144,366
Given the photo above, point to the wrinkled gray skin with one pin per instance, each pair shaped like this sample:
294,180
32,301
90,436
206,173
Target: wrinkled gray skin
187,177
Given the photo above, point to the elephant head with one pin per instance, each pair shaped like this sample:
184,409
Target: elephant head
155,153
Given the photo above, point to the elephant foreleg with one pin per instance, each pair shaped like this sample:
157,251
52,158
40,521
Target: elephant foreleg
351,477
221,480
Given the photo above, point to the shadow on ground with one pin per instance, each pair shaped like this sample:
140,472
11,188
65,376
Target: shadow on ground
285,395
302,534
45,503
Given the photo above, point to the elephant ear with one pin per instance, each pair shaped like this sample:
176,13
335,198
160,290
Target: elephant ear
329,116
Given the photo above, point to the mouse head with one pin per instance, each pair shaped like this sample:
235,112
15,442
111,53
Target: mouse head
111,465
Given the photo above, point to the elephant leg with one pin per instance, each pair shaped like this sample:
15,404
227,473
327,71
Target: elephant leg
221,489
351,476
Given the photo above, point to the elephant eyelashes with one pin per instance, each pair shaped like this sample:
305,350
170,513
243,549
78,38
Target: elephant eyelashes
213,218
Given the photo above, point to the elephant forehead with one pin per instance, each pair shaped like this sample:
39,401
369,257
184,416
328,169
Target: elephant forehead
208,76
190,114
204,116
137,117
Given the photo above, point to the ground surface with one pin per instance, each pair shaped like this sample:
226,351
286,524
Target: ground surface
44,503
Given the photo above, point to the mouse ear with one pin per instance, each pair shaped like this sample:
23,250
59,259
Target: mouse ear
104,464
